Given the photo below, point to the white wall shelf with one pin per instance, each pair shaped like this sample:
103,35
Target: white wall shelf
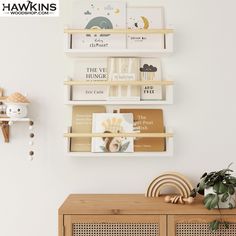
167,48
14,119
167,153
167,87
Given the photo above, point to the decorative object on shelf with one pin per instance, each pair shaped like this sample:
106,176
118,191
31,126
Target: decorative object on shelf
218,188
90,69
17,106
150,70
148,121
2,105
123,69
170,179
178,199
82,123
112,123
99,15
145,18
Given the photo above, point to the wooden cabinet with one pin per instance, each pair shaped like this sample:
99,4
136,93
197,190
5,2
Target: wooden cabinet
136,215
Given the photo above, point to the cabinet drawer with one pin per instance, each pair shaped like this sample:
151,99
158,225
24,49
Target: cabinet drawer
114,225
198,225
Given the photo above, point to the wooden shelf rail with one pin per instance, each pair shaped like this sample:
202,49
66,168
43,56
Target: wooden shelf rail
113,83
119,31
137,135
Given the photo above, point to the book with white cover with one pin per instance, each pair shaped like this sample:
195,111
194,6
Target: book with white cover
112,123
99,15
150,70
90,69
145,18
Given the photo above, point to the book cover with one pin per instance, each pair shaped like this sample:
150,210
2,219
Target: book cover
112,123
99,15
90,69
124,69
82,123
148,121
150,69
145,18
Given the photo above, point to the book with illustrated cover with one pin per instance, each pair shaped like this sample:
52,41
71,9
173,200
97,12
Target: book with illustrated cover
82,123
112,123
123,69
145,18
148,121
99,15
90,69
150,70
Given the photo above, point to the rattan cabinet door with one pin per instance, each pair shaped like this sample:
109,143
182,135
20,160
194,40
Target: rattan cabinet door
115,225
198,225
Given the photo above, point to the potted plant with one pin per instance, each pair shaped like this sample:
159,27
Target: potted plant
218,188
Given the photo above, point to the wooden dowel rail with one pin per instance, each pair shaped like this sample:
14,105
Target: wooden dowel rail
137,135
110,83
118,31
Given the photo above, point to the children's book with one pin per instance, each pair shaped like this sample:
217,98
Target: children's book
124,69
112,123
150,70
148,121
90,69
145,18
82,123
99,15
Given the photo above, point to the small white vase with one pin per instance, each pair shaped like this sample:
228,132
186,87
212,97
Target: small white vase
222,205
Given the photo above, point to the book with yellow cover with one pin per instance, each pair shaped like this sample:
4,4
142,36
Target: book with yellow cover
148,121
82,123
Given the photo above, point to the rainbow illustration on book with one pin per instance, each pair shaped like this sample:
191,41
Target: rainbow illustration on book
112,123
99,15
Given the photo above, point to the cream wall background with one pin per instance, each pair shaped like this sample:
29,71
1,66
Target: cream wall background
203,115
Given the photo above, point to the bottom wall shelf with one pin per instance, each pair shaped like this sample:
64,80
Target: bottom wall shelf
167,153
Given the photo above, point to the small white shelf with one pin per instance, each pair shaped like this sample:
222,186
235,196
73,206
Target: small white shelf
167,153
116,53
167,48
167,99
135,103
15,119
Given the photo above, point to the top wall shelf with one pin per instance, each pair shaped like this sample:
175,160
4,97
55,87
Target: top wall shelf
167,48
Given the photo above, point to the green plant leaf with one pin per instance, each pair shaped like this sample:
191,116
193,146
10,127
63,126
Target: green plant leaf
209,201
231,206
226,224
220,188
225,197
214,225
124,147
214,202
231,189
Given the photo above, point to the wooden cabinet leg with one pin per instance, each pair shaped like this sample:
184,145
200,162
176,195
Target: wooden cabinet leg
5,131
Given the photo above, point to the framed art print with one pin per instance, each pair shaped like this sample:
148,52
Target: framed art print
145,18
99,15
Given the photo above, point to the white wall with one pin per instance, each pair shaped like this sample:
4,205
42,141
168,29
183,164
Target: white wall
203,116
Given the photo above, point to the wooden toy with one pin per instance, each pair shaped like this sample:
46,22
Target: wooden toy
170,179
178,199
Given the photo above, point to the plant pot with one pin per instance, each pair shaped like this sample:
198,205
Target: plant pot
222,205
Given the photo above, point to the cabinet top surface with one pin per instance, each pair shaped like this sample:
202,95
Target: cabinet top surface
106,204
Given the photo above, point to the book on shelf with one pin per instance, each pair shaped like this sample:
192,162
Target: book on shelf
90,69
112,123
82,123
150,70
145,18
123,69
99,15
147,121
